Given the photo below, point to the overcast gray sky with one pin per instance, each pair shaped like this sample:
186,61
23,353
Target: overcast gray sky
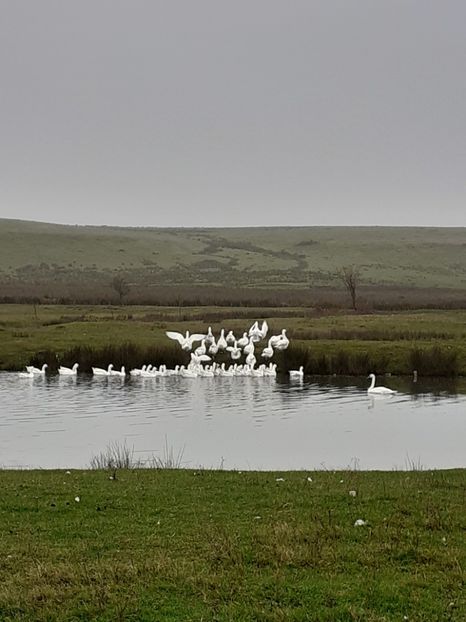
246,112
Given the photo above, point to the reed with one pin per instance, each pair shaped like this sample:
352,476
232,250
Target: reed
435,361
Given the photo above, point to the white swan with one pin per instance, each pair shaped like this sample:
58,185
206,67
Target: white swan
296,374
186,342
98,371
378,390
36,370
66,371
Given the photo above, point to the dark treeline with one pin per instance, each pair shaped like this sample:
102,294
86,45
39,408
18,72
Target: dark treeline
378,298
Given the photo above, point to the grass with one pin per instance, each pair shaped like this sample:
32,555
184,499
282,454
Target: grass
219,545
432,342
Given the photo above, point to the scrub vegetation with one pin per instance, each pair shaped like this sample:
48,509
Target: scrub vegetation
156,544
430,342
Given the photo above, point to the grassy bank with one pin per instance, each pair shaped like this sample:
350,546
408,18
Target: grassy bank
209,545
432,342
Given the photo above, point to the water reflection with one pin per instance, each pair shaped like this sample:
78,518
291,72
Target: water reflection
241,422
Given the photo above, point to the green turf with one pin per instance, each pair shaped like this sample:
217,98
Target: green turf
209,545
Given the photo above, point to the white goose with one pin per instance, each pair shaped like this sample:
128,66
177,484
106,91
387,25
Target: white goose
36,370
136,371
66,371
26,374
230,338
267,352
201,349
209,338
283,342
249,348
378,390
243,341
221,341
277,338
213,348
98,371
234,351
120,374
198,359
186,342
297,374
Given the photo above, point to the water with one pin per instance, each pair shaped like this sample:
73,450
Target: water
234,423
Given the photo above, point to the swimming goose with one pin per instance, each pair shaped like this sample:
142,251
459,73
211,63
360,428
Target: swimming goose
98,371
36,370
296,374
66,371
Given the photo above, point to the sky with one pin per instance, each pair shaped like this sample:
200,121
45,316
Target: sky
245,113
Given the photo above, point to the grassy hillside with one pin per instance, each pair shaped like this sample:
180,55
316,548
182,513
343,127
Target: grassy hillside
40,258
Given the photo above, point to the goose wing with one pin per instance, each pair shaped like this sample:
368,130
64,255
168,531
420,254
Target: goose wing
195,337
176,336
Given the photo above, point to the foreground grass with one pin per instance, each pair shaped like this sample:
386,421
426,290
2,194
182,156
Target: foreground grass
378,342
212,545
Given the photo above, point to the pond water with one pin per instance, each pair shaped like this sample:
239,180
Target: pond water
234,423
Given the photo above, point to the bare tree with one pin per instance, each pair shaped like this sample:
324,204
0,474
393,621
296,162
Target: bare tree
121,286
349,276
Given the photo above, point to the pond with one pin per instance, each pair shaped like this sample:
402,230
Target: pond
233,423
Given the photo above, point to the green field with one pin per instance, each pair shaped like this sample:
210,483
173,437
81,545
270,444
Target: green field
58,261
356,343
159,545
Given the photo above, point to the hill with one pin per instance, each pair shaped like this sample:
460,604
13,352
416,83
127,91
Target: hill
46,259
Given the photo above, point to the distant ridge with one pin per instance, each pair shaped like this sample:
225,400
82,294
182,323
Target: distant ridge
43,255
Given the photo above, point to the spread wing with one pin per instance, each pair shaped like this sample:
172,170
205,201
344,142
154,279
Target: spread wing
195,337
176,336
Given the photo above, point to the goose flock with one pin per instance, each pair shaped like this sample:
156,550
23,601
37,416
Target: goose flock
227,344
247,346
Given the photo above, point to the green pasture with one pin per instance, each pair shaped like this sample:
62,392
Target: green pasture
172,545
